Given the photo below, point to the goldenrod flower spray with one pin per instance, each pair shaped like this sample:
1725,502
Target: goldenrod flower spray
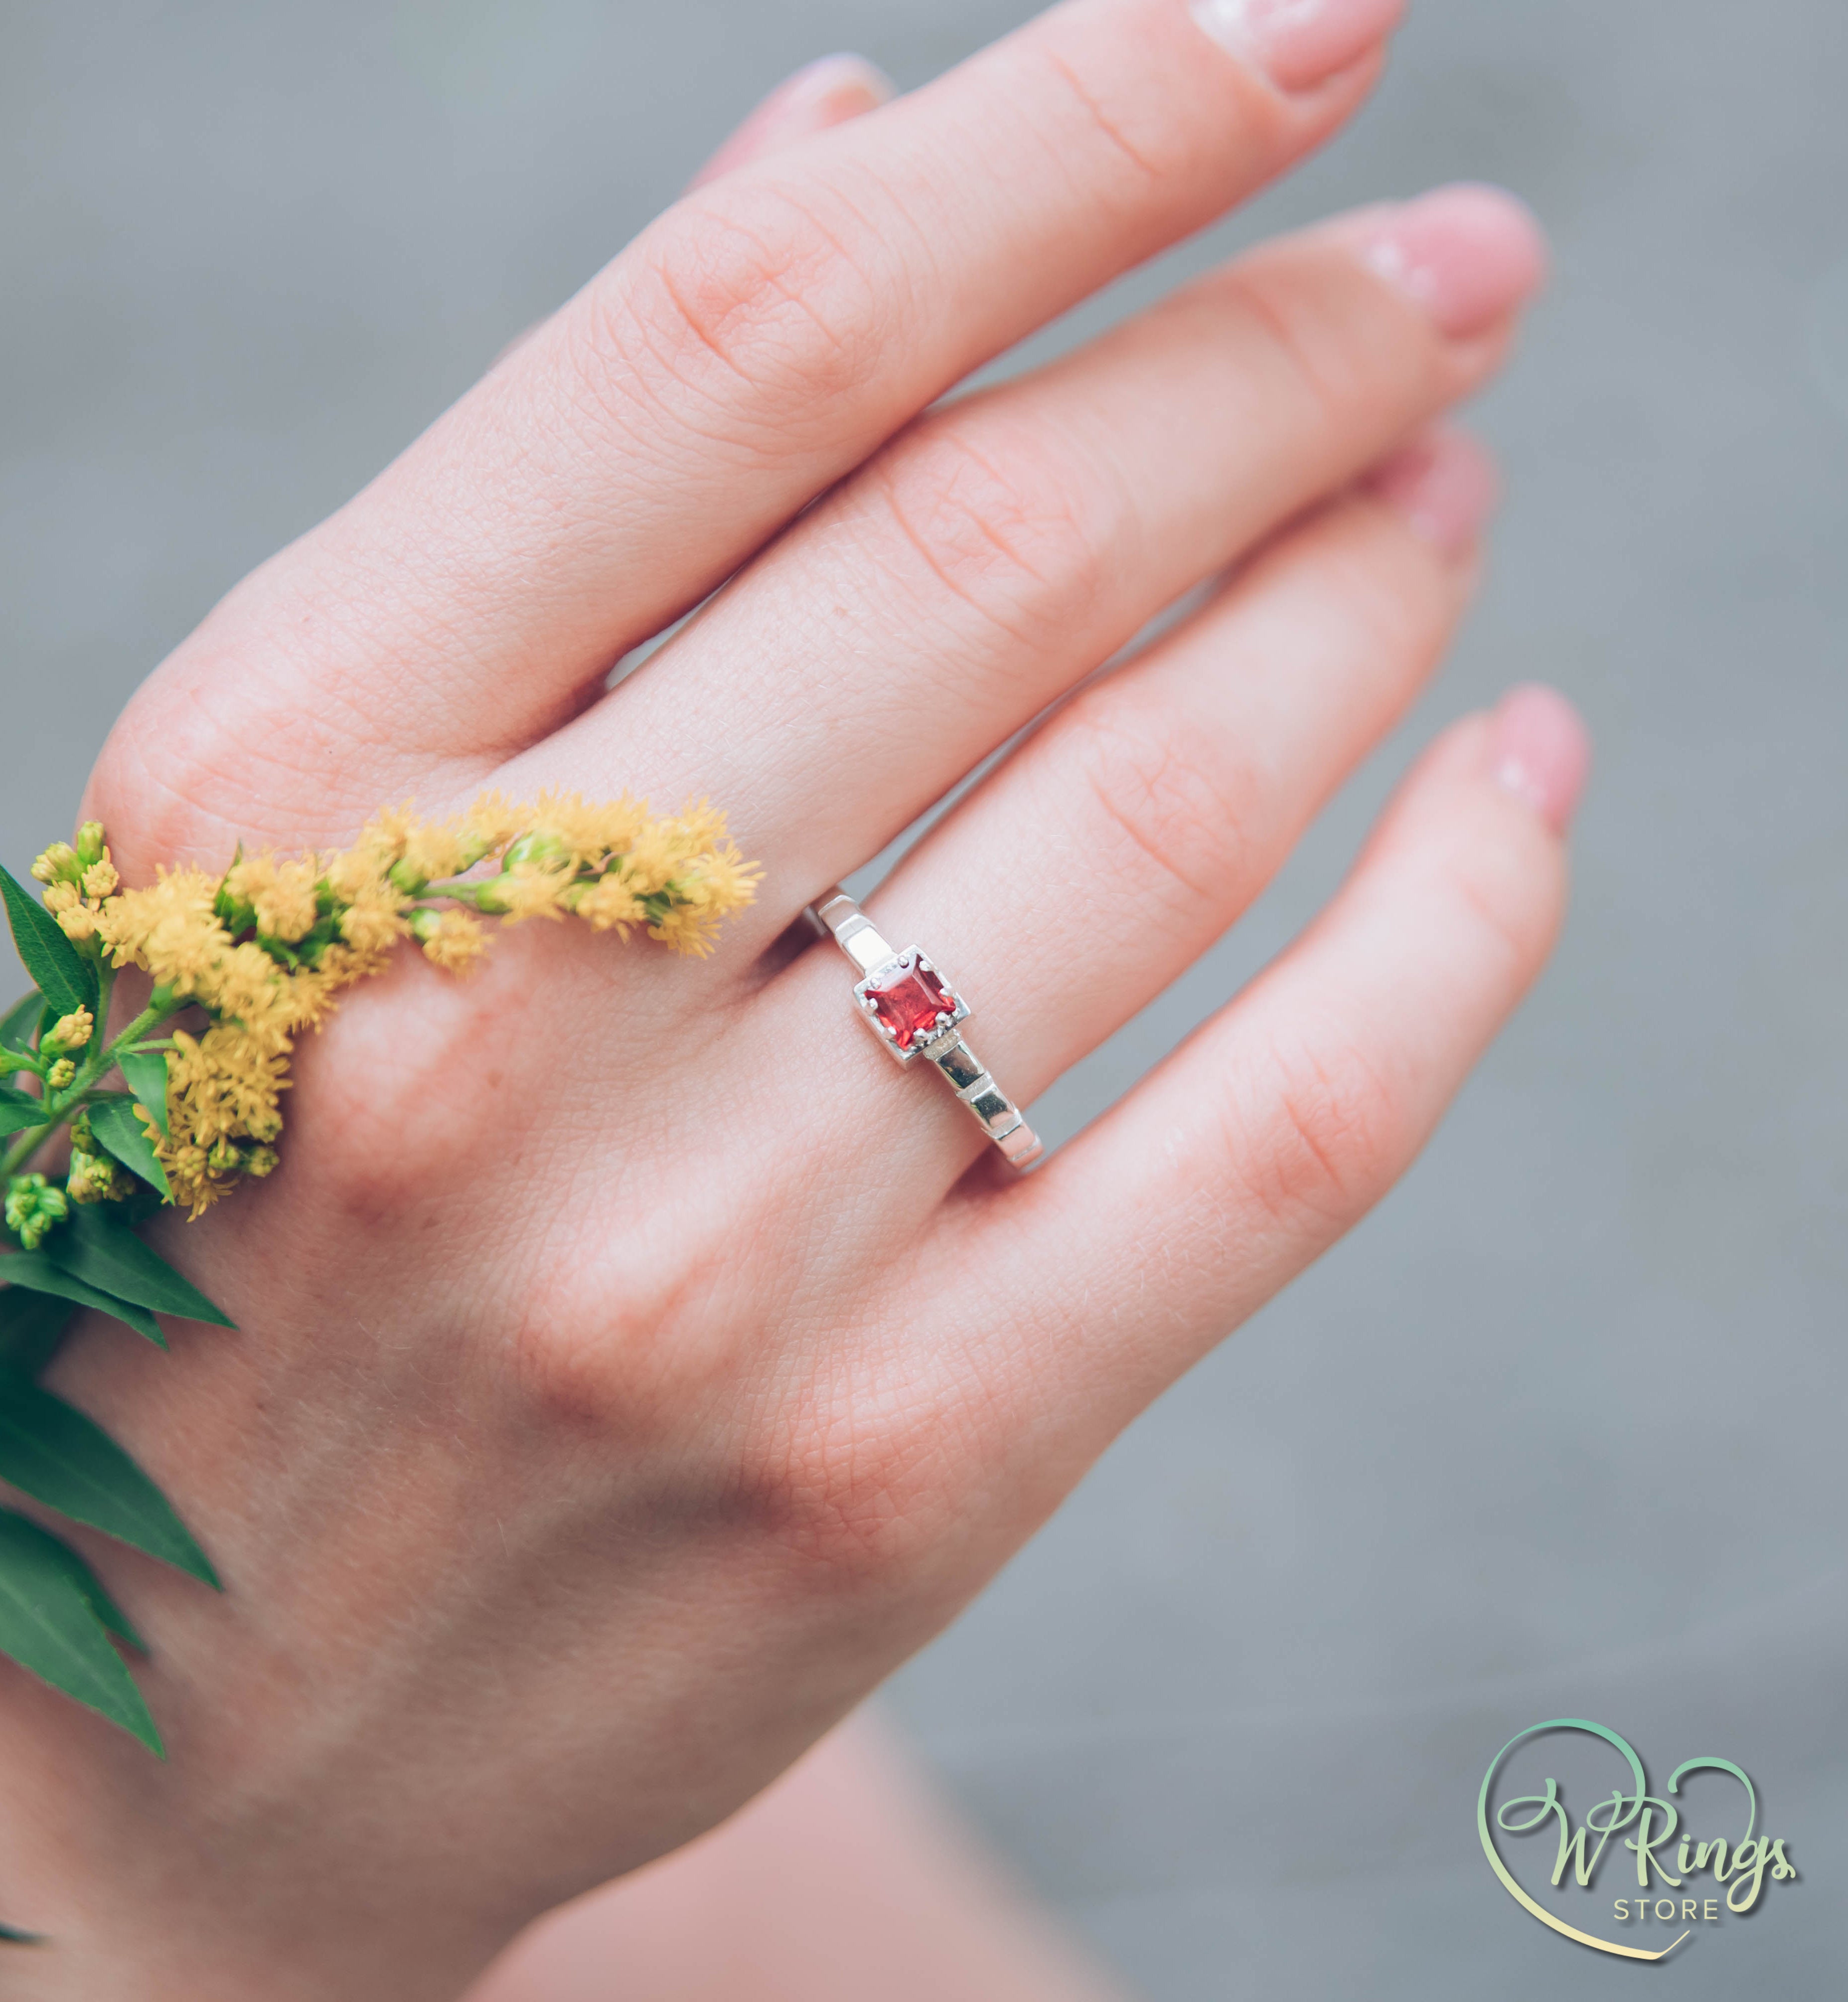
181,1104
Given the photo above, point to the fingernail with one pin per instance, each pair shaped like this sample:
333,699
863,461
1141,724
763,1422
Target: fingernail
828,92
1539,750
835,88
1445,485
1298,44
1468,255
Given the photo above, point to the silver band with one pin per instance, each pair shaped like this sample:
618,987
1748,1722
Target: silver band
915,1012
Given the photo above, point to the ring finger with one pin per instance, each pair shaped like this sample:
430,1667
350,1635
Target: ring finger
1097,863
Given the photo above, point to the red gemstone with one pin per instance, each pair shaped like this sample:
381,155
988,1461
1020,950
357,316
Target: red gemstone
907,999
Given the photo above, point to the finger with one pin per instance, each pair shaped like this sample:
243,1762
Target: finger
1002,548
1095,864
825,94
748,349
1290,1113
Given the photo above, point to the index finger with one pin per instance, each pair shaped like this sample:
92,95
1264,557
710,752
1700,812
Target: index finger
749,348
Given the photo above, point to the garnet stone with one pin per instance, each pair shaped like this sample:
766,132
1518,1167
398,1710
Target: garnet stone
907,997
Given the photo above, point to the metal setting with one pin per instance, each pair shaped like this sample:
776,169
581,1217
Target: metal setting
897,995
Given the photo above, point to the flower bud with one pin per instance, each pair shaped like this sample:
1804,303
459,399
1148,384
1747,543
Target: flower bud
544,849
61,1074
261,1161
223,1159
100,879
89,842
96,1178
58,864
33,1208
69,1032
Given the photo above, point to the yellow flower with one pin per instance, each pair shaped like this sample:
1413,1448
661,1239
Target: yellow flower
452,940
720,881
529,892
62,897
610,903
352,872
383,838
588,832
686,929
491,823
433,851
168,930
100,879
373,922
281,894
78,923
223,1085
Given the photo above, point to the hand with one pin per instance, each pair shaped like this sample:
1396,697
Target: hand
634,1366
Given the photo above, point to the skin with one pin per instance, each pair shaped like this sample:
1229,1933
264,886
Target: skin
632,1367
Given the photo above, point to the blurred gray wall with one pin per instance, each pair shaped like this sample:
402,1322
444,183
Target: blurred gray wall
1558,1432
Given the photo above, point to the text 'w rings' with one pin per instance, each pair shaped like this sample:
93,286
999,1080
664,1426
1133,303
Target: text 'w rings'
916,1012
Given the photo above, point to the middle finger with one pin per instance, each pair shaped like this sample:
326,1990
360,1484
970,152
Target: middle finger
1003,547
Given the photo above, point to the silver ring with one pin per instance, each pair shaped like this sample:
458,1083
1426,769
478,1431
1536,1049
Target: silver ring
910,1006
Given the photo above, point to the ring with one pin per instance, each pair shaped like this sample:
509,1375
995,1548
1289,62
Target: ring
915,1012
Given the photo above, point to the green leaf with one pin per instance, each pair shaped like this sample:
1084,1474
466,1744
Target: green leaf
86,1581
145,1073
19,1110
49,1624
102,1251
44,1275
67,981
53,1452
32,1325
113,1122
19,1022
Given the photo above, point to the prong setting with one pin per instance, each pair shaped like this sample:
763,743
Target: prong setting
915,1012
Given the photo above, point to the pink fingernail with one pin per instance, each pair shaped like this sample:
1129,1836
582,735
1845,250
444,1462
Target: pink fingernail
827,92
1539,750
835,88
1299,44
1469,255
1445,485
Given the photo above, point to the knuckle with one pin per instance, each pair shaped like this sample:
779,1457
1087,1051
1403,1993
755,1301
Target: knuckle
1008,526
773,290
1328,1141
854,1478
1177,801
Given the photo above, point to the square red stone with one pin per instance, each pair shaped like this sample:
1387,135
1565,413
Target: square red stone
908,998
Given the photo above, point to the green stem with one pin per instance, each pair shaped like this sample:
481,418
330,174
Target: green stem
456,892
161,1007
24,1146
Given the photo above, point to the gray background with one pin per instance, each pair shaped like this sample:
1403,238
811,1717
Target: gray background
1553,1432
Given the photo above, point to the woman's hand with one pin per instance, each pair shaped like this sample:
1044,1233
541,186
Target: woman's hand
633,1366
